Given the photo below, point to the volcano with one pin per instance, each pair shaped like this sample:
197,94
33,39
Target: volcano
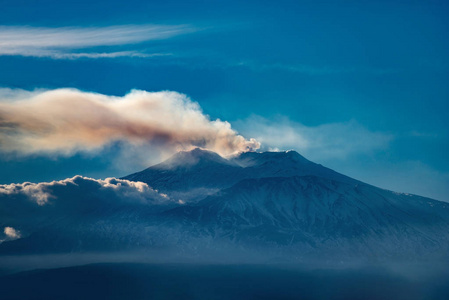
267,206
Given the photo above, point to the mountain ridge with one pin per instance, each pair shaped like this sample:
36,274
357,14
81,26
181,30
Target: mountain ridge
192,168
266,205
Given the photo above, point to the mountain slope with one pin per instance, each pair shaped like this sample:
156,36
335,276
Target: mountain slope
284,164
253,206
321,214
193,174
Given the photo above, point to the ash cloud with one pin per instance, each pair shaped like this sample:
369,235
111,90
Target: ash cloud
67,121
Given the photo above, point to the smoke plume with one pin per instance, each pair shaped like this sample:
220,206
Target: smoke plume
66,121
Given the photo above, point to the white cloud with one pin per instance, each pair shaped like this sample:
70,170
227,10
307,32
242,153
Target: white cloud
72,56
314,70
326,141
42,193
59,43
12,233
29,206
32,190
66,121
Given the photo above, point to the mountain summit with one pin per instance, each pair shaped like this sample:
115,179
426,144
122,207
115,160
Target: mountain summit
187,171
251,207
195,157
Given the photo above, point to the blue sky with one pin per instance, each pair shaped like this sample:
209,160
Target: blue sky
358,86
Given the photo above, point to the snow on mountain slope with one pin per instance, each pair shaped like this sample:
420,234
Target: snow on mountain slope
266,205
193,174
320,216
284,164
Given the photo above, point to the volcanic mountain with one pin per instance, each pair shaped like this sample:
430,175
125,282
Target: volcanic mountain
193,173
253,206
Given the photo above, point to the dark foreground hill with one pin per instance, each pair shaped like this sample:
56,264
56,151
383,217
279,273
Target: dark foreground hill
142,281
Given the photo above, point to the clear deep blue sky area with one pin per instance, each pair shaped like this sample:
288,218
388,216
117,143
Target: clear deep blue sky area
359,86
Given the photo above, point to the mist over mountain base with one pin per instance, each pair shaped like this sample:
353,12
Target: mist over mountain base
269,225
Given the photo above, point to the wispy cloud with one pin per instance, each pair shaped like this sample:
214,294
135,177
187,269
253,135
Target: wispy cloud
414,177
212,61
67,55
66,42
326,141
352,149
311,69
